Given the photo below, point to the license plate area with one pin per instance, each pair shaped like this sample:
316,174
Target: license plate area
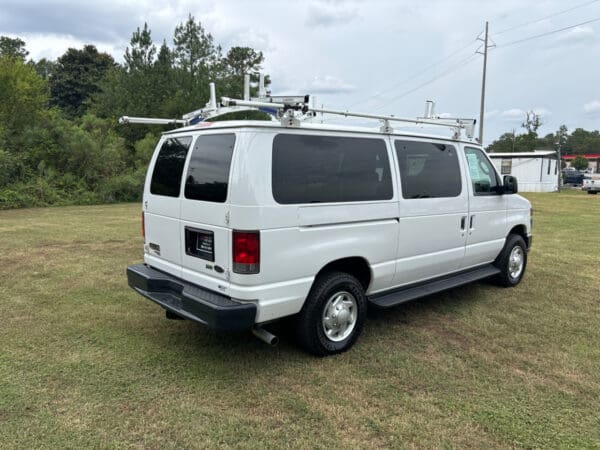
200,243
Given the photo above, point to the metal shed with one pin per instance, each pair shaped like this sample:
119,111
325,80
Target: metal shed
535,171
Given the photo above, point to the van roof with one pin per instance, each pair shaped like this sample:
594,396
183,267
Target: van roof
308,126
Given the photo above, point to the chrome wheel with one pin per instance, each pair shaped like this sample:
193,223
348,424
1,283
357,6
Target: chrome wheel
516,262
339,316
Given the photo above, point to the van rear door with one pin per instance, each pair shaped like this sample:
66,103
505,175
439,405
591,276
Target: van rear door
162,205
204,231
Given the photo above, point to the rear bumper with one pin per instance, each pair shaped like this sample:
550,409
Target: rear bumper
189,301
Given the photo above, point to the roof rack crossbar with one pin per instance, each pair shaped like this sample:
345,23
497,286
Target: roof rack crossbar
455,123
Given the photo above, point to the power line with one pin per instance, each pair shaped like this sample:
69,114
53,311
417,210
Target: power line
548,33
415,75
581,5
464,62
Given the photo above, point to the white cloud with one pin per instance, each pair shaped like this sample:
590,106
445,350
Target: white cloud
577,35
250,37
513,114
542,112
592,108
329,85
51,46
326,14
517,114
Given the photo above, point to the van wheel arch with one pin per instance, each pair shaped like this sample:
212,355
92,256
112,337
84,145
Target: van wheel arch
519,230
356,266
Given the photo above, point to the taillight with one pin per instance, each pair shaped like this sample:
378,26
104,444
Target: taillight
246,252
143,227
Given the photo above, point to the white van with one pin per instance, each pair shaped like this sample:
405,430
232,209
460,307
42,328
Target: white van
247,222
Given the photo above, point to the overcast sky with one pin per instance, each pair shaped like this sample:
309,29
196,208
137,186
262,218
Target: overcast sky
378,56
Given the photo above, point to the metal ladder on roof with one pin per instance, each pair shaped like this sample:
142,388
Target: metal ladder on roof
291,111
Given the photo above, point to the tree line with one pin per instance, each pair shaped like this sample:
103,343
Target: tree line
60,142
577,142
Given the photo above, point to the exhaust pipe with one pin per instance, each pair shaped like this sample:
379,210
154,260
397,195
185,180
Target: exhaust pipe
265,336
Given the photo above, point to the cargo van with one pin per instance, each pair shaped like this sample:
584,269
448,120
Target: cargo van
248,222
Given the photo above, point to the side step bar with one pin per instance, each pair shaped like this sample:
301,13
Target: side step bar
406,294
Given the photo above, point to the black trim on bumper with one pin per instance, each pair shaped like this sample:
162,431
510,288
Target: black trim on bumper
190,301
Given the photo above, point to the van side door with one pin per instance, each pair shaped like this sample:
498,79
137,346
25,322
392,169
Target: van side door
433,208
487,210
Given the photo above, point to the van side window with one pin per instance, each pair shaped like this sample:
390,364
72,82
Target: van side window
428,169
319,169
481,170
168,168
208,172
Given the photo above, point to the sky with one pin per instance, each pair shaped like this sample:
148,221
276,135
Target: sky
377,56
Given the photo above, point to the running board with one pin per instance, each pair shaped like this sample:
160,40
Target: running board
398,296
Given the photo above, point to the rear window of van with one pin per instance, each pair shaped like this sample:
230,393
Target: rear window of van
207,178
319,169
168,168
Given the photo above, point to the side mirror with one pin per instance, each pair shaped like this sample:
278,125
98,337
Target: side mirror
510,185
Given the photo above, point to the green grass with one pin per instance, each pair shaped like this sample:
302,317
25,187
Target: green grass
86,362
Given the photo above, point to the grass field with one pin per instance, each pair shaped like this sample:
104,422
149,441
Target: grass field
86,362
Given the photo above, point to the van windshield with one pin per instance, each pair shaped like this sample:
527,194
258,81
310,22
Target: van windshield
208,172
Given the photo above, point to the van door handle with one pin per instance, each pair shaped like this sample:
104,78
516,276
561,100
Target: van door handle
471,222
463,222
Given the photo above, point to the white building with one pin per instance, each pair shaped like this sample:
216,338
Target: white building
535,171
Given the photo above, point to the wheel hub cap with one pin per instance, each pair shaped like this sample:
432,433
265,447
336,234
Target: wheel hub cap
515,262
339,316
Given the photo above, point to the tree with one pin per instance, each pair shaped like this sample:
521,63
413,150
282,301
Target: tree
13,48
504,144
243,60
77,76
23,96
194,50
582,141
238,62
579,163
44,67
532,122
141,55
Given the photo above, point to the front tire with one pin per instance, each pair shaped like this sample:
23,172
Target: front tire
512,261
333,315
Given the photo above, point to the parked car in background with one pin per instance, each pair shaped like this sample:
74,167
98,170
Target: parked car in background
573,177
591,185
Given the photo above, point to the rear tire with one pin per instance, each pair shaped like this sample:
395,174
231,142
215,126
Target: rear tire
333,315
512,261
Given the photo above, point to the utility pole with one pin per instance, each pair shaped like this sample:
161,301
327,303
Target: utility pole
482,107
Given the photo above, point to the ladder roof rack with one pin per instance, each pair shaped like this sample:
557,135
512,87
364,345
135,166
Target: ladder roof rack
291,111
